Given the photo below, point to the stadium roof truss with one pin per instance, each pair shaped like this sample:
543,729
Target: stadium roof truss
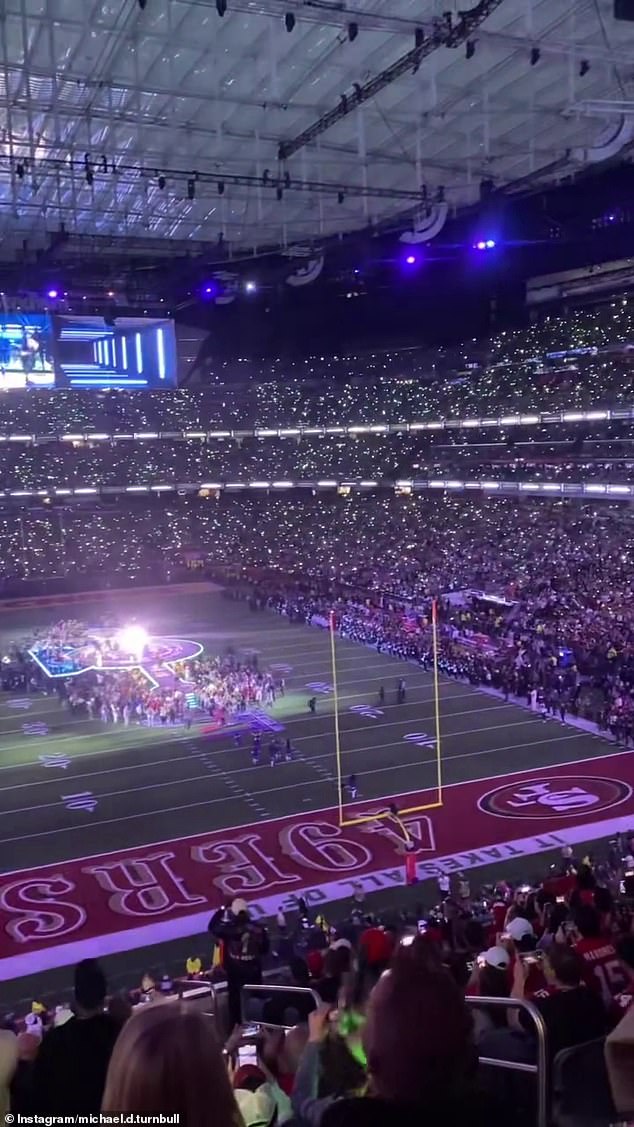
284,123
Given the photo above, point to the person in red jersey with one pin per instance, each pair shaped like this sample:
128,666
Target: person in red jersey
603,969
376,945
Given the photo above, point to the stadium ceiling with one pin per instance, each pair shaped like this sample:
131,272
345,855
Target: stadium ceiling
257,125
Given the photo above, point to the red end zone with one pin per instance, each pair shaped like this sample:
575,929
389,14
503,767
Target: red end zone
54,915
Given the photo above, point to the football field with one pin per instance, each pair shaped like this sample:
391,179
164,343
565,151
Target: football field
83,801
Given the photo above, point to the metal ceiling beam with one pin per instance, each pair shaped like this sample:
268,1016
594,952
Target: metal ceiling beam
323,13
134,174
444,34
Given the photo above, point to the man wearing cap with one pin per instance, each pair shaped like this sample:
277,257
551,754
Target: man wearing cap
521,932
493,1037
489,978
246,942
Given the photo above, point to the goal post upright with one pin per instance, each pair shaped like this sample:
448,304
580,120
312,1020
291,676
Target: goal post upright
335,693
437,803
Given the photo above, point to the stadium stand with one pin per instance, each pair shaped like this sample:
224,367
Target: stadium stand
263,856
373,552
562,944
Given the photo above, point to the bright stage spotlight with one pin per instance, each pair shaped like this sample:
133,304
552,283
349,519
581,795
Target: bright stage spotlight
133,640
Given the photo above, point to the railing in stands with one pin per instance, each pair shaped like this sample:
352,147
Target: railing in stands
201,995
267,991
538,1070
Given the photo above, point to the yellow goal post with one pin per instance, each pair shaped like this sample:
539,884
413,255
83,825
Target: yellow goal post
389,813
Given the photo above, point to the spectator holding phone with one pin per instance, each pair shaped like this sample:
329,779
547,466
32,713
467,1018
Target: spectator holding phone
554,917
494,1035
327,1071
572,1012
419,1045
489,978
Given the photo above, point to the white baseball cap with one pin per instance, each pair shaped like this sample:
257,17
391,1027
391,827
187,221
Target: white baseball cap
238,906
519,928
496,957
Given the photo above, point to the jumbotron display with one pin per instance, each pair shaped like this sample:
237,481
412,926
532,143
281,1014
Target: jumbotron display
40,352
126,352
26,351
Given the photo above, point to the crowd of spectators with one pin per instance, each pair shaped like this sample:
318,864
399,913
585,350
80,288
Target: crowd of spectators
565,569
410,545
563,639
393,1026
555,452
582,360
393,1035
577,360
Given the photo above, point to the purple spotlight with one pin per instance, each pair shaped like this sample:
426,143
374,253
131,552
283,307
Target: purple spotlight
490,243
53,294
411,260
210,290
481,245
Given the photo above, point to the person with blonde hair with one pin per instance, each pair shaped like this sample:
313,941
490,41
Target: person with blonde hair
167,1060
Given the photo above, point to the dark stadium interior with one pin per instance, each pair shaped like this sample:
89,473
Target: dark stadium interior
317,562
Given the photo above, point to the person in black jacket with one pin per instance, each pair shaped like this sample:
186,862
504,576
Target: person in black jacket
70,1068
245,944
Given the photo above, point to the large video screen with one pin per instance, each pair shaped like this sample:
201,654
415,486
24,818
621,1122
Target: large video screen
26,351
37,351
125,352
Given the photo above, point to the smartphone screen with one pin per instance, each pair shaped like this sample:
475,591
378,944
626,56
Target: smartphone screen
247,1054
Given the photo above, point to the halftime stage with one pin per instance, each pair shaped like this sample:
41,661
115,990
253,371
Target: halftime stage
157,663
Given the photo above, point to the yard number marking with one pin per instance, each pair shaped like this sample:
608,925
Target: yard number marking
85,800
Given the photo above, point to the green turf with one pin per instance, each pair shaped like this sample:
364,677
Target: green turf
152,785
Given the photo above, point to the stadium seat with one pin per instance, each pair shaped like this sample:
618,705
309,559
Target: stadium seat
580,1087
